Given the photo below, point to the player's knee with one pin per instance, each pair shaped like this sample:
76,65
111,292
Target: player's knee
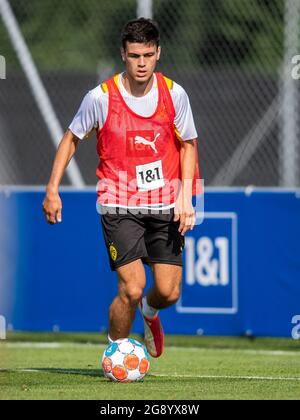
174,296
170,297
133,294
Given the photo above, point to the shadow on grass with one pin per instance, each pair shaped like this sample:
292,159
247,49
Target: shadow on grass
98,373
95,373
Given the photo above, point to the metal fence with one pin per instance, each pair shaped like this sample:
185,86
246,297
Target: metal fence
237,59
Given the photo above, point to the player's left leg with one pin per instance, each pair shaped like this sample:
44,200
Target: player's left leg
166,287
165,292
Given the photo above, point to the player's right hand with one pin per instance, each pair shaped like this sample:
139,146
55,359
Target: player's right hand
52,208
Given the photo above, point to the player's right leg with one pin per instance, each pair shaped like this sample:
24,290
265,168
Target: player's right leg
132,281
124,238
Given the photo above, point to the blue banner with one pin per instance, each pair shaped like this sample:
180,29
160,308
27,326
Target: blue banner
241,266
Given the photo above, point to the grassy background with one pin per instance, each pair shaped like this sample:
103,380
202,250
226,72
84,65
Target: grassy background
67,366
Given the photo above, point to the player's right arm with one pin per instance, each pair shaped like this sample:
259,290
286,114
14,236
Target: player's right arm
52,205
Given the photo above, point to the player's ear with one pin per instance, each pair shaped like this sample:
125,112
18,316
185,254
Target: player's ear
158,52
123,53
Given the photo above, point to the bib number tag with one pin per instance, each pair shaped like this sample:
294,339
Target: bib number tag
150,176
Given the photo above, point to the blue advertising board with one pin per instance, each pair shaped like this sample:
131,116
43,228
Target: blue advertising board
241,266
211,284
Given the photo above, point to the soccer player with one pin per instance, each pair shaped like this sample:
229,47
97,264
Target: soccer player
147,171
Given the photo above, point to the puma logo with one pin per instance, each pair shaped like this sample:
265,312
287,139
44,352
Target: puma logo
142,140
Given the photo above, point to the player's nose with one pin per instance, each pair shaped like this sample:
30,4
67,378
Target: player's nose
141,61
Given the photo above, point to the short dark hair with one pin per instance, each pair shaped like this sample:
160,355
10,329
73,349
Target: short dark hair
140,30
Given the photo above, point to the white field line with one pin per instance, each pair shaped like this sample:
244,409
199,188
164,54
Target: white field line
57,345
231,377
29,345
256,378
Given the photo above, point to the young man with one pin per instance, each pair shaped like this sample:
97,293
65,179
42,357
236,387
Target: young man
147,171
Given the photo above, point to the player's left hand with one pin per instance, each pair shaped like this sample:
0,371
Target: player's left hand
185,212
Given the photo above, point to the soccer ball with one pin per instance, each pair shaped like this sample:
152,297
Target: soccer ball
125,360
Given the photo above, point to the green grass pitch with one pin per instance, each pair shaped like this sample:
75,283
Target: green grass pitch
67,366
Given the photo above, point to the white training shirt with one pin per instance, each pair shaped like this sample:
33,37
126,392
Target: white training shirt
94,109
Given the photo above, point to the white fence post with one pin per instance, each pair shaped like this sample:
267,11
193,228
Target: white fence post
144,9
290,131
36,85
2,67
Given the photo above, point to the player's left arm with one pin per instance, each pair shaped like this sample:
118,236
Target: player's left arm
184,210
185,131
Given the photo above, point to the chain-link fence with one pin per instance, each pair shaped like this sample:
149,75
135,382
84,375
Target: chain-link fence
229,55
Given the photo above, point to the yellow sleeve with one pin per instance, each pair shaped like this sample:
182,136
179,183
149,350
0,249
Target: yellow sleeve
169,82
104,87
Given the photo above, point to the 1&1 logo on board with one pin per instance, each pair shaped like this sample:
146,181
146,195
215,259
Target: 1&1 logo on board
210,283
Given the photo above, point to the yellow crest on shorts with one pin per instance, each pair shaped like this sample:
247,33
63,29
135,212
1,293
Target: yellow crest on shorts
113,252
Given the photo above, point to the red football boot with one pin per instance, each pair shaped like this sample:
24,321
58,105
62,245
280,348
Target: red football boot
153,334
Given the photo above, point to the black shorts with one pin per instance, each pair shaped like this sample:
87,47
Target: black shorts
131,235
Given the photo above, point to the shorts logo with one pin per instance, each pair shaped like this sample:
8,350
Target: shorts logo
141,143
113,252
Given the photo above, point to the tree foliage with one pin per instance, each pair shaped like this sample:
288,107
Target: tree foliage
76,35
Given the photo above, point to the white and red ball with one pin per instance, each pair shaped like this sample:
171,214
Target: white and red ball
125,360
